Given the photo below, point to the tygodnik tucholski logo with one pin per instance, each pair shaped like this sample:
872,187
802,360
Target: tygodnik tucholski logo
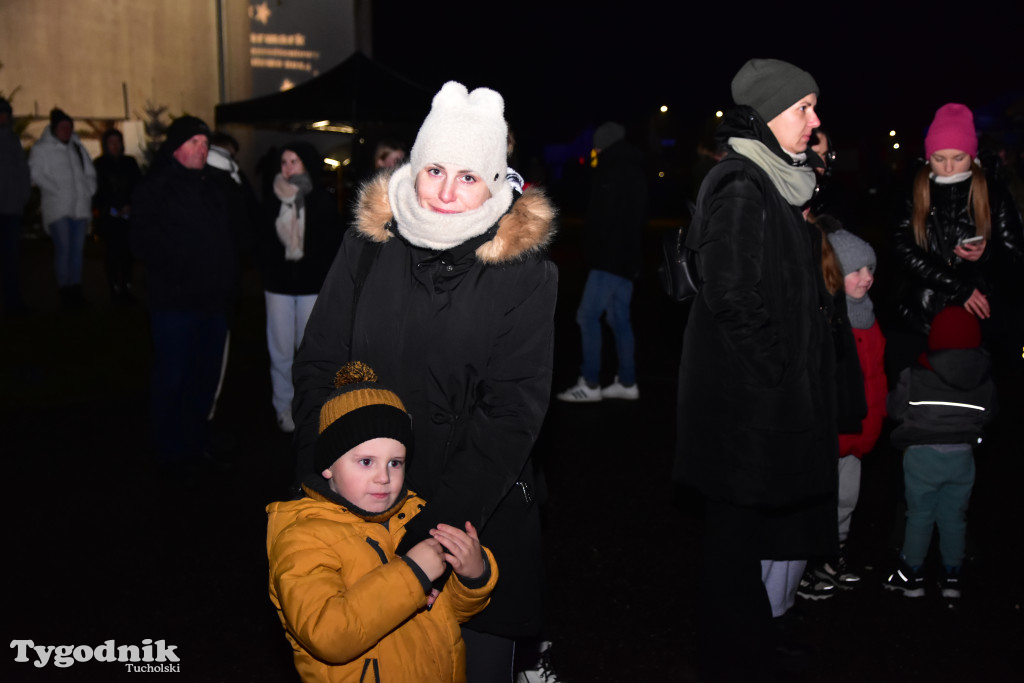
151,656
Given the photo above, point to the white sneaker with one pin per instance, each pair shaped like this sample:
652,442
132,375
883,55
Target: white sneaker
543,673
617,390
580,393
285,422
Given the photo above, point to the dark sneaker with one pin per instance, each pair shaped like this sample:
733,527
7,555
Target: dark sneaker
950,584
905,580
812,587
837,573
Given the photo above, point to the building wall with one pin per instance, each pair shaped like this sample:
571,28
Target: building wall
76,54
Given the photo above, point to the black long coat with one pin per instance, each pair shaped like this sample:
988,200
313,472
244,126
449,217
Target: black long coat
756,382
465,338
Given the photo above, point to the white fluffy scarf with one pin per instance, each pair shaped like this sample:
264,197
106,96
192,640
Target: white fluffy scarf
440,231
291,220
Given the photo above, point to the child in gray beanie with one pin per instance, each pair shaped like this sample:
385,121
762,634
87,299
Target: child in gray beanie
857,261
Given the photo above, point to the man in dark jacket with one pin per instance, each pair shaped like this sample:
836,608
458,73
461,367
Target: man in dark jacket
182,231
15,185
615,221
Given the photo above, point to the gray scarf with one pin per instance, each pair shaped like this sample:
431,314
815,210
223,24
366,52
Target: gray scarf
861,312
794,183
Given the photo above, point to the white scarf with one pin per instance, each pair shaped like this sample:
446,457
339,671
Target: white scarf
440,231
794,183
291,220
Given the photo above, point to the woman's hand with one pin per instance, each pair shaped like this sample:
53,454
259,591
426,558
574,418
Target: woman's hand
977,303
428,556
970,252
464,554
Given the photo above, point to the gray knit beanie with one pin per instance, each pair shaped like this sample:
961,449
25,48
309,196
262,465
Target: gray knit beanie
853,252
607,134
771,86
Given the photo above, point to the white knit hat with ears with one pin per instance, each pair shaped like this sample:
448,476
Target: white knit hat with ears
465,129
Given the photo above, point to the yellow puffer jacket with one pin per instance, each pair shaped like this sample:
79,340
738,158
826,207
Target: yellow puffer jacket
352,609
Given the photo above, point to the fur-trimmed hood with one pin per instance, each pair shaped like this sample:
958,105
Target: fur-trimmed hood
527,227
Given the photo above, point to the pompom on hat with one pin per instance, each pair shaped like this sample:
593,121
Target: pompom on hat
465,129
360,409
771,86
952,128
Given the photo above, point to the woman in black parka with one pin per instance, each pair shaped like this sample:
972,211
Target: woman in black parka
757,435
299,238
444,288
953,200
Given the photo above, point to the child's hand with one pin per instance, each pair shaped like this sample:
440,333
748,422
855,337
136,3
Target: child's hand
428,556
463,548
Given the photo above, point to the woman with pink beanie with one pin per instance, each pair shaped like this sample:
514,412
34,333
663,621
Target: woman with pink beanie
959,242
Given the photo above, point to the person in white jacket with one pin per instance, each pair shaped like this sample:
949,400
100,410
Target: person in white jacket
63,171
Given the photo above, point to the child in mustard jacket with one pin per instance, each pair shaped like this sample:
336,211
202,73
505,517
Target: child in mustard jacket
352,609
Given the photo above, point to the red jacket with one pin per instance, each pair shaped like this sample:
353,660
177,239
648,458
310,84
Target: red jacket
870,352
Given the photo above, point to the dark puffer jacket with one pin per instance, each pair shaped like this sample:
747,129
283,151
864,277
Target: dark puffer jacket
936,277
465,337
182,231
756,383
617,214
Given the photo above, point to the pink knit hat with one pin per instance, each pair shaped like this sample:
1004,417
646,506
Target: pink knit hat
952,128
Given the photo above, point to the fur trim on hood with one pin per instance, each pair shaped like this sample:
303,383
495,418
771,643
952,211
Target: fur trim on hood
527,227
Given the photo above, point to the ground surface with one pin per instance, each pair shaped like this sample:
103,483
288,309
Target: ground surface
97,546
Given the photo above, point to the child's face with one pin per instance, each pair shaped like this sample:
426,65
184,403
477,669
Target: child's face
859,282
371,475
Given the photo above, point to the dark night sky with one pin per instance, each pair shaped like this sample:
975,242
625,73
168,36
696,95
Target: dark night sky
561,69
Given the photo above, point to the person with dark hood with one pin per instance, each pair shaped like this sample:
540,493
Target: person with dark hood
15,187
66,177
615,221
181,230
116,176
299,236
756,417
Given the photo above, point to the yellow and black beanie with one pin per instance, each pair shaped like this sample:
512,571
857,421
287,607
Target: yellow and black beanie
359,410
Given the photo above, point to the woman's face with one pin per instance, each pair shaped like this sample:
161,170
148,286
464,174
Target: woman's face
793,127
947,162
443,188
291,164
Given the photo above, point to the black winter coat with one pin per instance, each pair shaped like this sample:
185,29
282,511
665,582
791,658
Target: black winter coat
936,277
320,245
756,382
465,338
182,232
617,213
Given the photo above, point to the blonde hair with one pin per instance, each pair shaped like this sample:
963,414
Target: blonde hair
977,204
